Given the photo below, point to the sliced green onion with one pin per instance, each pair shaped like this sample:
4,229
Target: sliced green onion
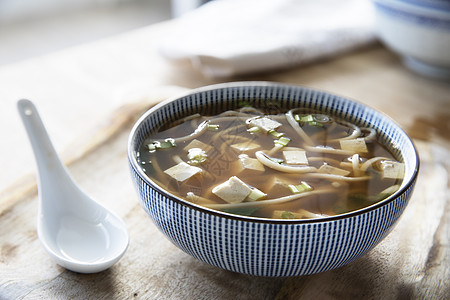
304,118
283,141
213,127
287,215
166,144
276,133
316,124
300,188
197,160
196,156
254,129
244,104
312,120
256,195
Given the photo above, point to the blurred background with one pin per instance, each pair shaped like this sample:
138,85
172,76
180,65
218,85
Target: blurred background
413,28
32,28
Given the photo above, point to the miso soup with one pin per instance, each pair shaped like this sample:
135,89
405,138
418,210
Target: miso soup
291,165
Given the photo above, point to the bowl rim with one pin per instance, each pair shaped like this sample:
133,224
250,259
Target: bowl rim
418,8
139,172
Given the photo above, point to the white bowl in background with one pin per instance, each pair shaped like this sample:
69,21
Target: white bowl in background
418,30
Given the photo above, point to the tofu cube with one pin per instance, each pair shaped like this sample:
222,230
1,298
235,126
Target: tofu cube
278,186
233,190
249,165
295,157
327,169
393,169
356,145
265,123
182,171
246,146
198,144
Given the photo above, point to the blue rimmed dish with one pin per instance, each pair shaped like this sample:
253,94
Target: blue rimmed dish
267,247
419,31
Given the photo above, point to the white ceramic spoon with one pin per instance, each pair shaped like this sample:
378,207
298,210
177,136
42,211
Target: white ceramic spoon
79,233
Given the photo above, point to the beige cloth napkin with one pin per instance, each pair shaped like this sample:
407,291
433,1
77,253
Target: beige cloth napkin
231,37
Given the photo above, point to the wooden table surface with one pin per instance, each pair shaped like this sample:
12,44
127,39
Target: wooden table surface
89,97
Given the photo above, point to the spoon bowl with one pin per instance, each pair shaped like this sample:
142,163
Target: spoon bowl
80,234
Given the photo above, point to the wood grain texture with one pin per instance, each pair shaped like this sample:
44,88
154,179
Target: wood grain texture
411,263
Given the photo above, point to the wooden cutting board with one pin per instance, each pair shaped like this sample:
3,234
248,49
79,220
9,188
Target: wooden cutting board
412,262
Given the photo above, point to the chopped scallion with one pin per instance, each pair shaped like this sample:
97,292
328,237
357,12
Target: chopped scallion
300,188
287,215
166,144
244,104
276,133
254,129
256,195
213,127
314,123
196,156
312,120
304,118
283,141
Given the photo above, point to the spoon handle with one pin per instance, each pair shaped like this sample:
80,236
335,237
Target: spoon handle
50,168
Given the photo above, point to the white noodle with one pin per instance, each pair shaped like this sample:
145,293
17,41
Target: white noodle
275,149
269,201
336,177
158,171
355,165
372,134
232,113
370,162
323,159
249,109
262,157
198,132
328,150
390,190
291,120
177,159
356,132
194,119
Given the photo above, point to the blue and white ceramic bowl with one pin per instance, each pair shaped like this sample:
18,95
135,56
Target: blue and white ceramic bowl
266,247
418,30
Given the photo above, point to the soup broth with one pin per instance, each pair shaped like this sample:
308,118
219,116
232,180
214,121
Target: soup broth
291,165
